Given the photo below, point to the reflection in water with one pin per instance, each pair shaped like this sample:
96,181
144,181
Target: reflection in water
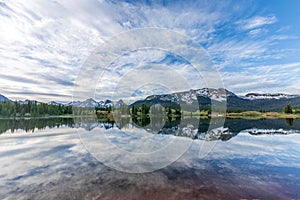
54,165
289,121
141,121
30,124
194,128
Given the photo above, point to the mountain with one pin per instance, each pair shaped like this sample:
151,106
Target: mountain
89,103
105,104
254,96
74,103
266,102
55,103
189,100
119,103
3,98
27,101
203,98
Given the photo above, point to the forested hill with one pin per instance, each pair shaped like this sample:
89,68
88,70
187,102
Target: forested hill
32,108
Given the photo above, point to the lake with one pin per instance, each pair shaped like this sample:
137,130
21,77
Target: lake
142,158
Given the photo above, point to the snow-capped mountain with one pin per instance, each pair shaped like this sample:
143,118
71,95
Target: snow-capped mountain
105,104
253,96
119,103
55,103
89,103
192,96
74,103
214,94
202,98
86,103
26,101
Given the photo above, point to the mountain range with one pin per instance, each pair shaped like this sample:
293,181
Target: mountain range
86,103
199,98
203,98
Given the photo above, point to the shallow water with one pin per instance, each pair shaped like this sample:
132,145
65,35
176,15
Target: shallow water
253,159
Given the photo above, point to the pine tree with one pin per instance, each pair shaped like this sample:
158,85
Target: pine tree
288,109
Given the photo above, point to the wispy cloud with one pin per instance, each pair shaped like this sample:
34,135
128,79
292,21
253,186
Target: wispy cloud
256,22
17,79
41,40
45,43
265,78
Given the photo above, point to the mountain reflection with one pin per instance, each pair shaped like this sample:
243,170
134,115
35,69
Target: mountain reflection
194,128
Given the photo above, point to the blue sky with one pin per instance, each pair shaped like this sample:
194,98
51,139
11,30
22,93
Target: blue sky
254,44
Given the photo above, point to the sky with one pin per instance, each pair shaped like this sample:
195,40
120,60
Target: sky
44,45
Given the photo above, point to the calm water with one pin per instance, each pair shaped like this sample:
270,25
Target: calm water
65,158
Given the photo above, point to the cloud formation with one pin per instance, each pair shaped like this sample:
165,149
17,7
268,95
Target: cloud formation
44,43
257,21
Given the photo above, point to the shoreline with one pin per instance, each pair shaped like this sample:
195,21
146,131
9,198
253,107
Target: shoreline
264,115
232,115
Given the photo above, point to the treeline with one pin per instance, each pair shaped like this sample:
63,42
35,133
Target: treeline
145,109
142,110
288,109
32,108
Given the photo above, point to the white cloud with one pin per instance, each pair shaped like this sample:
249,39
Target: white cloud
266,78
257,21
42,40
234,52
48,41
258,31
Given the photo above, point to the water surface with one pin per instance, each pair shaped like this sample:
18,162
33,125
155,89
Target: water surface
249,159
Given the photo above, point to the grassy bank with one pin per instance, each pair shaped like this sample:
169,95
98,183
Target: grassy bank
184,114
259,115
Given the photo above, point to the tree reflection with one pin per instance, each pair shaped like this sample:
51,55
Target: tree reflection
289,121
30,124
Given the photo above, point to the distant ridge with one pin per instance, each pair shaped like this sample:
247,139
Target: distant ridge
252,96
3,98
86,103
